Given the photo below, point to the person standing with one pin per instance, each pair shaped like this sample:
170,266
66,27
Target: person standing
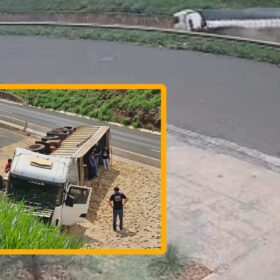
116,202
8,166
97,153
88,163
93,169
106,157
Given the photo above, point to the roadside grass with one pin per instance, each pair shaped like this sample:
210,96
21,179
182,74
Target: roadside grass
166,7
245,50
139,108
20,230
168,265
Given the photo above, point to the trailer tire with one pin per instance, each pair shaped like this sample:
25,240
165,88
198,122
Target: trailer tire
54,143
69,129
46,138
37,148
62,135
47,146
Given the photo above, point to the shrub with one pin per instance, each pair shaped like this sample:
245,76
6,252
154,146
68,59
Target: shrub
169,264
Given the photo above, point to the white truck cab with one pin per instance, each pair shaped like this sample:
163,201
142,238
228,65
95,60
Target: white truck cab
49,185
188,20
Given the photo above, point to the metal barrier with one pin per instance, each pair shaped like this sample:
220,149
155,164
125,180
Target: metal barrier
36,127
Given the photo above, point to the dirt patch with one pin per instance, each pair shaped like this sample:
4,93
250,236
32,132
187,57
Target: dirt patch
45,272
193,271
141,214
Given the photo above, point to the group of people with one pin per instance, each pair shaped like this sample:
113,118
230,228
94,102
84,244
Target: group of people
93,160
118,199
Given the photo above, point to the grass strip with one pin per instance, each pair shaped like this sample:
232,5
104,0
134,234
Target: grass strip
245,50
149,7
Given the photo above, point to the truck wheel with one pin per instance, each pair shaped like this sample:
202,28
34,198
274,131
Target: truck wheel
37,148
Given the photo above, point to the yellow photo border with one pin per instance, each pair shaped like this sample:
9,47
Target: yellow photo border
117,251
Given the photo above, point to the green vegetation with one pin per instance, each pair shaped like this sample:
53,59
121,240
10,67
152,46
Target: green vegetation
141,6
139,108
155,39
20,230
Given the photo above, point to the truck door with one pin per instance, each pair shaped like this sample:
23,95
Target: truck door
76,205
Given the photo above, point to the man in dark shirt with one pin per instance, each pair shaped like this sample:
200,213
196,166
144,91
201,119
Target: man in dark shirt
116,202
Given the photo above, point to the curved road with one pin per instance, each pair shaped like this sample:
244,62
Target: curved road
225,97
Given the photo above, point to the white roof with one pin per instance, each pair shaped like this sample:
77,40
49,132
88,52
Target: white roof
57,172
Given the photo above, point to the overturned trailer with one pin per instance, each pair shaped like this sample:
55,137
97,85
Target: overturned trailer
213,19
52,183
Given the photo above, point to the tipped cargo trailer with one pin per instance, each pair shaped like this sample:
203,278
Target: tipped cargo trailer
50,176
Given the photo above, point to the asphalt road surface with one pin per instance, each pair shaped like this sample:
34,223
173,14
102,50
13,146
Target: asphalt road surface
123,138
8,137
218,96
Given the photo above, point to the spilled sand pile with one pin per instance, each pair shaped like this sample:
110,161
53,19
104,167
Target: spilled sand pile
141,214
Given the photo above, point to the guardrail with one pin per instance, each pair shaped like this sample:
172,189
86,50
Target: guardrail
142,28
41,131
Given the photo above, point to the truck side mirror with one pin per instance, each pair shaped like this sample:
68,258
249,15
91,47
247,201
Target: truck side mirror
69,201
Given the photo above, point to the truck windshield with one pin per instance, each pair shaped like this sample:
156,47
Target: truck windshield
35,192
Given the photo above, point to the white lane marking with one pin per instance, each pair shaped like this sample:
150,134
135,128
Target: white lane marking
135,153
155,150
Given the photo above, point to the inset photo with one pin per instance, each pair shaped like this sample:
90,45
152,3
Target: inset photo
83,169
